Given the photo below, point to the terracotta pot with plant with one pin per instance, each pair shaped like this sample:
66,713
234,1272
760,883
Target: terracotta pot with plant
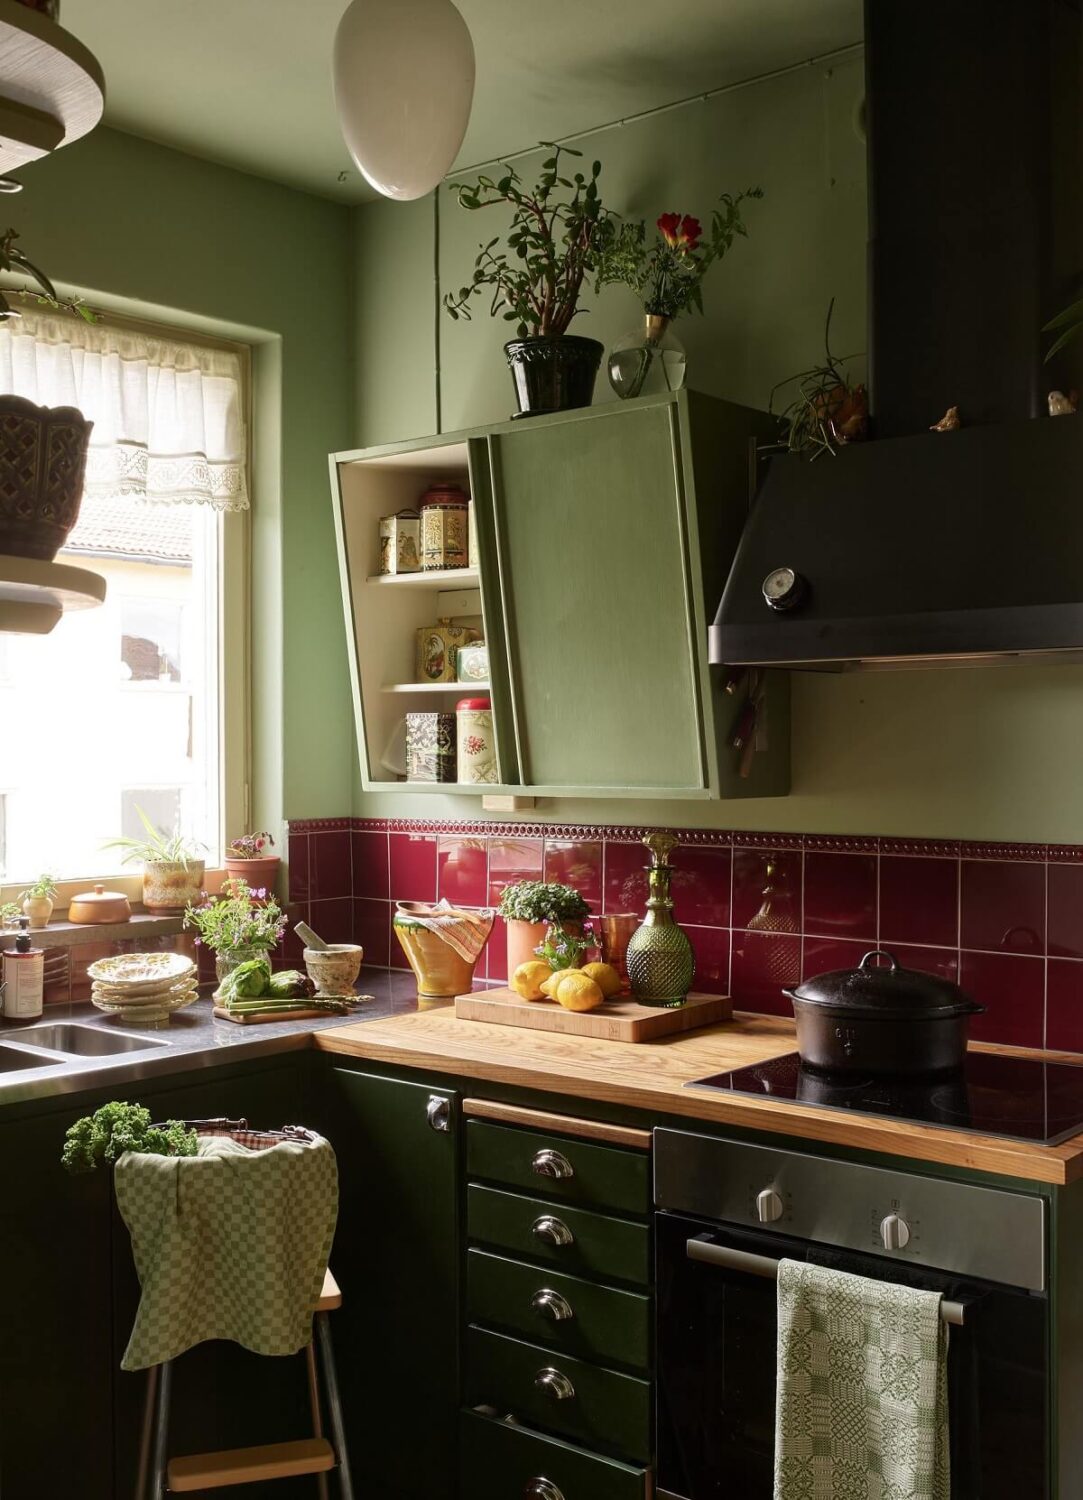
38,900
560,237
530,908
172,871
247,860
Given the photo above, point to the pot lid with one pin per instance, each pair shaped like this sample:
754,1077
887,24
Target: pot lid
99,896
880,986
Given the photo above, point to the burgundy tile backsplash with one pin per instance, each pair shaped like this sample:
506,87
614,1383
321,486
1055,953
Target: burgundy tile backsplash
763,910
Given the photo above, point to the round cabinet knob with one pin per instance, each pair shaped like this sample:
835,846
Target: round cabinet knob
784,588
552,1305
553,1231
542,1489
554,1383
552,1164
769,1206
895,1232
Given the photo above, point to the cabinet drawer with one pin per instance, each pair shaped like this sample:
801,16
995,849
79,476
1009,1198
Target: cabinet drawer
575,1316
562,1168
577,1400
501,1462
569,1239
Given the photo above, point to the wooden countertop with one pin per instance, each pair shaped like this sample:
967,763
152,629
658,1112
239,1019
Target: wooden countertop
651,1076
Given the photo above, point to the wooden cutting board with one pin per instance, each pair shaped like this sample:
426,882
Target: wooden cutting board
620,1020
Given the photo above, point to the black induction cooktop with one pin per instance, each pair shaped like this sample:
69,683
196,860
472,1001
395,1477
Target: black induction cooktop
1021,1098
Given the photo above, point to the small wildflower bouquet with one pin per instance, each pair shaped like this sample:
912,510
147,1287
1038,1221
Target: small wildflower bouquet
239,919
250,846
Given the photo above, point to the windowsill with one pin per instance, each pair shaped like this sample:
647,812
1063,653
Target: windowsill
63,934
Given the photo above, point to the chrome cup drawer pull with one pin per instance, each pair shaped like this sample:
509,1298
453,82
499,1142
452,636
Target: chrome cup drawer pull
542,1489
552,1305
552,1164
554,1383
552,1231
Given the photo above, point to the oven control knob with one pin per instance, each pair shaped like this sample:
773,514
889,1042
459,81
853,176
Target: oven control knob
769,1206
895,1232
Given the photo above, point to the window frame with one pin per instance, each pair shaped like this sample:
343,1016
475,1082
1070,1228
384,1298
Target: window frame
234,610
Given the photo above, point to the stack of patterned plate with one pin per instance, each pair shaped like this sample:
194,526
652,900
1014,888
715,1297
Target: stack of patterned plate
145,987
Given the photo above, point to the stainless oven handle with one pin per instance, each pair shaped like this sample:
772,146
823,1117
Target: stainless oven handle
710,1254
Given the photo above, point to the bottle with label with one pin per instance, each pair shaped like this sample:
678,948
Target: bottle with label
24,977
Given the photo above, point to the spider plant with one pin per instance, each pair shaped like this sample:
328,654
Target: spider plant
157,848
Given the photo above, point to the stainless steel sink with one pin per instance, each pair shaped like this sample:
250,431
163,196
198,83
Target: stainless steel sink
11,1061
82,1041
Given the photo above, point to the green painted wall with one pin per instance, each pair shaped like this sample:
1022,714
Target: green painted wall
990,753
135,225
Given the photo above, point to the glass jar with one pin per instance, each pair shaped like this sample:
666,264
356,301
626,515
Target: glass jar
231,958
647,361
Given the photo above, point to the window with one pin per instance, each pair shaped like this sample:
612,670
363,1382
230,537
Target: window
121,708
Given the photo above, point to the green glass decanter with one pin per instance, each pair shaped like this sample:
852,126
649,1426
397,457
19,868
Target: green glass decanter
660,961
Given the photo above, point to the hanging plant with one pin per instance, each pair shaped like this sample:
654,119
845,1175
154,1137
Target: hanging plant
828,411
14,262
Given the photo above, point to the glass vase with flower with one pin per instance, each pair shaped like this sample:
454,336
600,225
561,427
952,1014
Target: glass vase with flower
239,924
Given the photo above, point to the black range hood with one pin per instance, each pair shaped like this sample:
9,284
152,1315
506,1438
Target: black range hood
919,547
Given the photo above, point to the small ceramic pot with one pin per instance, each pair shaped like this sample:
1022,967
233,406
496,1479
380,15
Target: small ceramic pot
39,909
169,885
99,905
42,466
334,969
258,874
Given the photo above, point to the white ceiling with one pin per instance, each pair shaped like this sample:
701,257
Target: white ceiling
247,82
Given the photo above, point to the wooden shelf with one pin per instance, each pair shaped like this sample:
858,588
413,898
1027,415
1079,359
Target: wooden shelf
51,87
34,594
437,578
458,688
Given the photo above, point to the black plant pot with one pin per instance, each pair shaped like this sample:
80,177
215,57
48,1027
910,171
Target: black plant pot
553,374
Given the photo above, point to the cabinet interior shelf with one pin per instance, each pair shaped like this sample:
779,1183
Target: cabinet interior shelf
459,688
435,578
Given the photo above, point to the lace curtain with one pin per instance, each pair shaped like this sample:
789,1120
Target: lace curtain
168,416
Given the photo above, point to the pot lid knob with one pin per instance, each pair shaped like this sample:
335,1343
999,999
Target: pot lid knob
867,963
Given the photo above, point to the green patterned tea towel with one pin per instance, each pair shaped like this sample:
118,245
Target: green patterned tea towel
230,1244
862,1410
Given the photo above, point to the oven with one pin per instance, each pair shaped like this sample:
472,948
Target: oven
727,1213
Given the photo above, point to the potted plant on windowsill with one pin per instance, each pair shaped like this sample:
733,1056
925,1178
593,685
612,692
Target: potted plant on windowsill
38,900
247,860
560,237
530,908
242,923
172,870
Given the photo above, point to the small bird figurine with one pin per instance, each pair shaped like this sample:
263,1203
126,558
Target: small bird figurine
948,422
1061,405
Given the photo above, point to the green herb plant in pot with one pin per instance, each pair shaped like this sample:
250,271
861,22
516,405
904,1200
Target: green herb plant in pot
239,925
560,238
172,871
38,900
530,908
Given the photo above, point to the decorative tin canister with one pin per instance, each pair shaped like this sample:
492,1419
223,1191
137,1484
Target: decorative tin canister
477,752
436,648
444,528
472,662
430,747
400,542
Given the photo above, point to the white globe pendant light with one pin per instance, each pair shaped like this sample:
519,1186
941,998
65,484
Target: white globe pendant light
403,75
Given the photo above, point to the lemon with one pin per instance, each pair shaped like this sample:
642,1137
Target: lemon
549,986
577,991
528,979
605,977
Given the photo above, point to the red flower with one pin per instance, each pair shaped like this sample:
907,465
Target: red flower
691,229
681,233
670,226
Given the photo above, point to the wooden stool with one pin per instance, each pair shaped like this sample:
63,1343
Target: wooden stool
208,1471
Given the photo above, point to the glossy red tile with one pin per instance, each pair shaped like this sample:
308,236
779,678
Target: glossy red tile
297,855
764,963
372,929
1064,1005
462,870
944,962
1002,905
1012,988
701,885
919,900
1065,893
413,866
495,955
512,860
767,889
821,955
711,946
578,864
332,920
330,866
625,877
840,894
371,872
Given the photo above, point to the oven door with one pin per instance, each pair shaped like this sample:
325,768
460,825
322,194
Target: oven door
716,1338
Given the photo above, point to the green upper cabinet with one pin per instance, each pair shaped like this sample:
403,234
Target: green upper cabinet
604,537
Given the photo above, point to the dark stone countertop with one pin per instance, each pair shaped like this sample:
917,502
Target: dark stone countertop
193,1039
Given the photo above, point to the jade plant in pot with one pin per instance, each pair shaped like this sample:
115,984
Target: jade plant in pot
247,859
37,900
560,237
43,449
172,869
531,908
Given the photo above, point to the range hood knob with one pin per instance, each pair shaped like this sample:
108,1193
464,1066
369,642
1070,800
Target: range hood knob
784,588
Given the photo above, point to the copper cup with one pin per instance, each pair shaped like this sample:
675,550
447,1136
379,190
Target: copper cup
616,933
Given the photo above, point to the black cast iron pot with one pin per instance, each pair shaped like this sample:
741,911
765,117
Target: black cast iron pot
877,1019
553,374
